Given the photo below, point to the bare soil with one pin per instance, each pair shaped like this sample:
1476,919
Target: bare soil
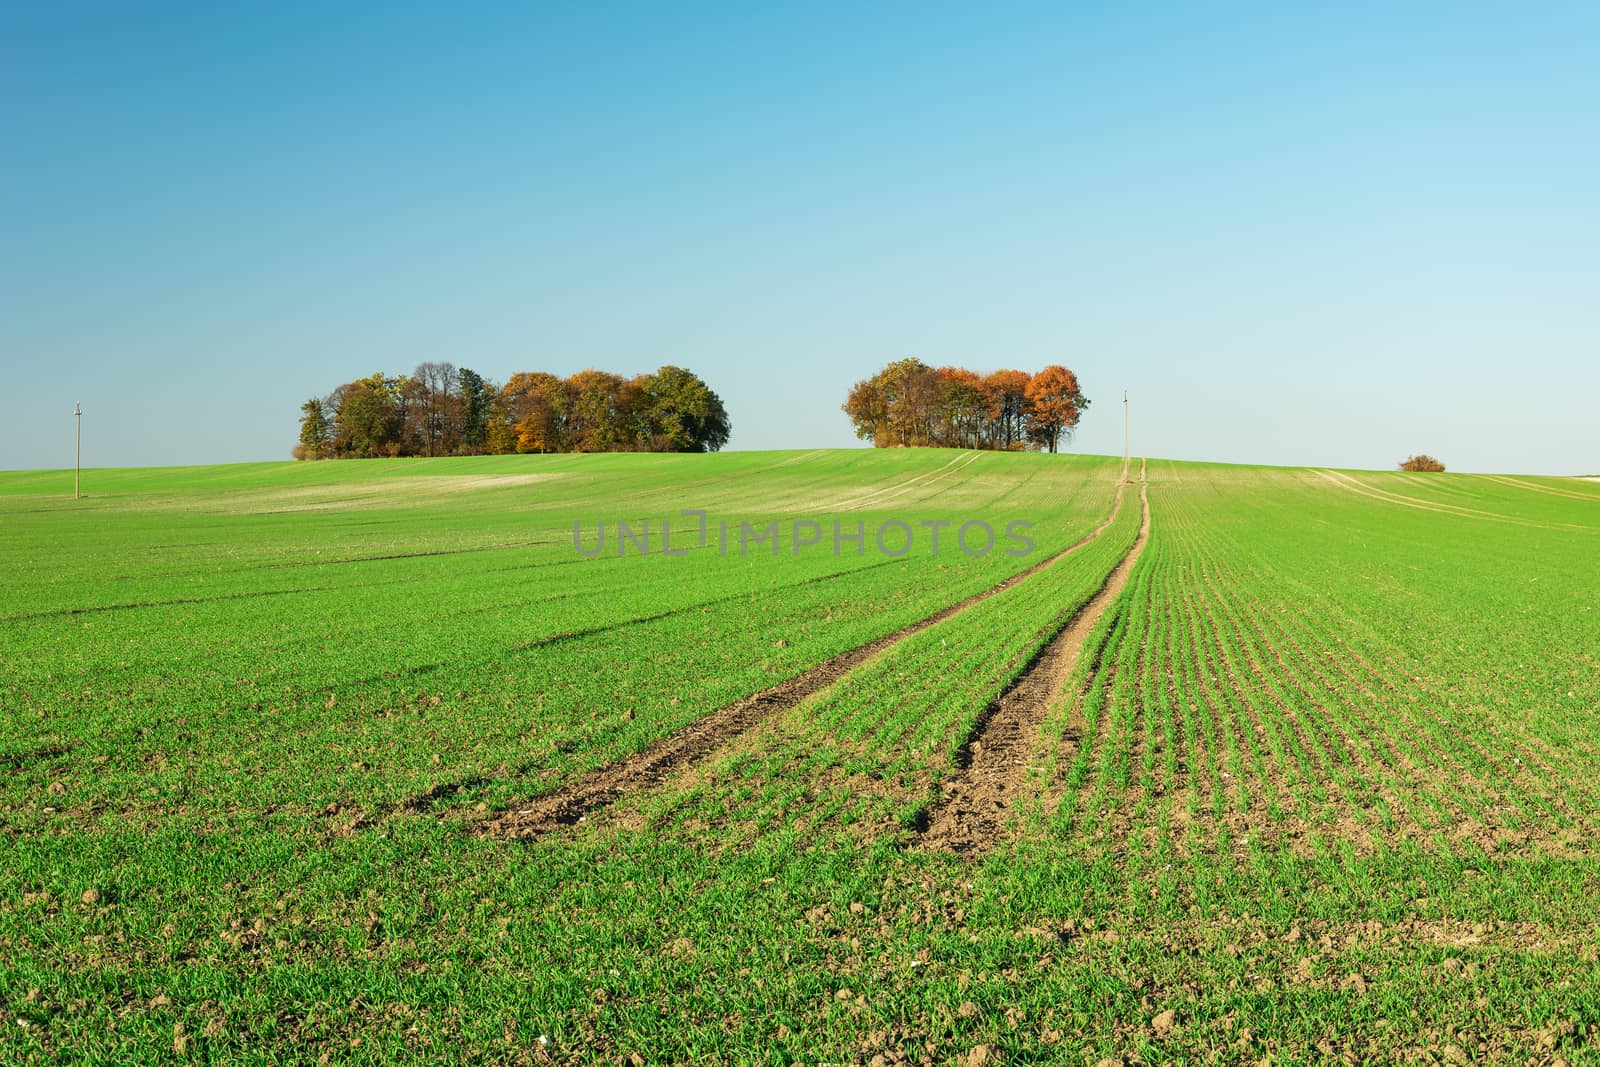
994,763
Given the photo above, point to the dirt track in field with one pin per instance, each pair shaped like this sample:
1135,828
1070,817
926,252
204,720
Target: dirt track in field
994,762
654,764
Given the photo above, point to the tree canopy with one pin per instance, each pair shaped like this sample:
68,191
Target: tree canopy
440,411
909,403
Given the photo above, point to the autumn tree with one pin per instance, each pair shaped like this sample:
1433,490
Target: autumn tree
500,435
1423,462
1006,393
869,415
912,391
442,411
908,403
900,405
1054,404
413,412
636,431
538,405
433,408
962,405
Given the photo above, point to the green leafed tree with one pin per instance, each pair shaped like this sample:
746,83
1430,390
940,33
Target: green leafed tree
678,412
367,417
474,395
315,430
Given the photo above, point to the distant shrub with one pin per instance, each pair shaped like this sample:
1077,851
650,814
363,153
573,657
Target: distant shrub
1423,462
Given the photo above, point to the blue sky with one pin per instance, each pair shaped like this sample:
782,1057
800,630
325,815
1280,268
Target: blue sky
1328,234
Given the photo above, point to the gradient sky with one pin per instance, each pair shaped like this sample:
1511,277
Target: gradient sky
1322,234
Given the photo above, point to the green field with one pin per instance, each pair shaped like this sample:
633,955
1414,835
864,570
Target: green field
364,760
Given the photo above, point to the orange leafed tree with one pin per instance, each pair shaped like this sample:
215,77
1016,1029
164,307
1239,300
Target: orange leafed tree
538,404
898,406
1055,403
963,407
908,404
1006,392
868,412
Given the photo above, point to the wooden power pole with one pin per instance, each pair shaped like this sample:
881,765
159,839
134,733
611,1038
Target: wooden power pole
1124,435
77,454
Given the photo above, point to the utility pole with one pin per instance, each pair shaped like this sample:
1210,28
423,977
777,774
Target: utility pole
1124,435
77,457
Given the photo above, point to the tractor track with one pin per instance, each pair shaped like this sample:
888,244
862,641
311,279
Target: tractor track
654,764
993,764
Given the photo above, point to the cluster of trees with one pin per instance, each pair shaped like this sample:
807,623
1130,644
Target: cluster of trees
909,403
1423,462
441,411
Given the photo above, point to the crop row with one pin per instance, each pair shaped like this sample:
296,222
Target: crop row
1242,695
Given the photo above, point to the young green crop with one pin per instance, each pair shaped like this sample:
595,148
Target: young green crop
1322,786
392,663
